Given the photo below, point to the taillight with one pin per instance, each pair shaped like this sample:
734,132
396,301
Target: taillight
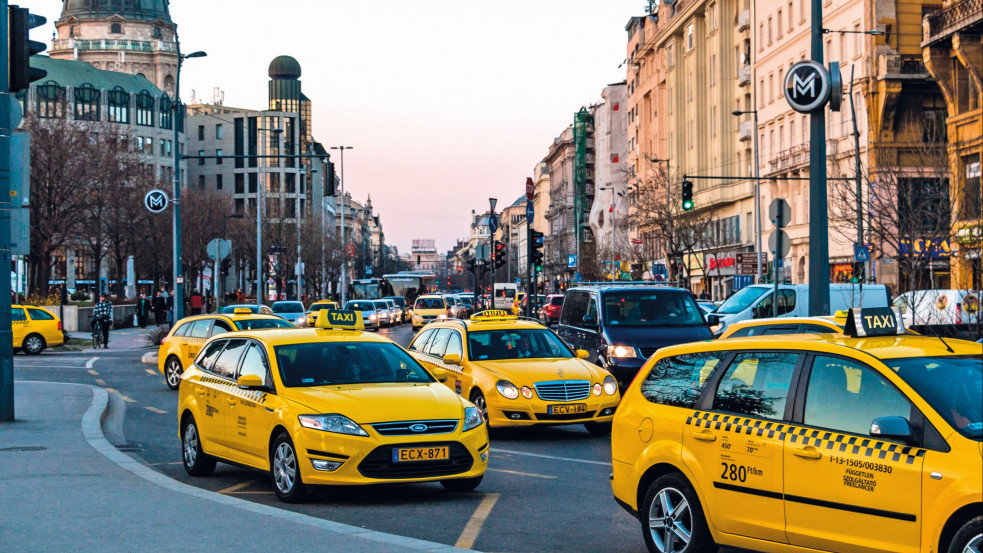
959,313
59,325
162,340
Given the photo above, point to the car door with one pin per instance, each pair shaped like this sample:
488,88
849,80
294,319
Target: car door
18,325
572,318
222,388
255,411
734,449
843,488
194,339
589,337
459,376
211,407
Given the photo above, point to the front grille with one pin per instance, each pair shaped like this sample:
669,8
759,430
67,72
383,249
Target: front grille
428,317
647,352
379,463
404,428
563,390
567,417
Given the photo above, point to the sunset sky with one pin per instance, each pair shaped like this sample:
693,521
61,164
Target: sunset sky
446,102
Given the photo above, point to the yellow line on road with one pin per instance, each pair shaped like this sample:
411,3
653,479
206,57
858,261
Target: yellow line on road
151,372
101,382
517,473
239,486
93,373
473,528
129,400
155,410
246,493
161,464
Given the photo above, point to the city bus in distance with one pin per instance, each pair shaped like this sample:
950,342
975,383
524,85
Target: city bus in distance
370,288
410,284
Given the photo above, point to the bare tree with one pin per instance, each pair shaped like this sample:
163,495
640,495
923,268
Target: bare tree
201,222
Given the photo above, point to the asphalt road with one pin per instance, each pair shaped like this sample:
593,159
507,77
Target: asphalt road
545,490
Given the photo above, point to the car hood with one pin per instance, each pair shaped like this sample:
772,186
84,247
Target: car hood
372,403
526,372
658,337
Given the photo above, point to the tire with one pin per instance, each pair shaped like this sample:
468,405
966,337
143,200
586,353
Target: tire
598,428
172,372
285,471
672,494
461,484
196,462
33,344
478,399
969,538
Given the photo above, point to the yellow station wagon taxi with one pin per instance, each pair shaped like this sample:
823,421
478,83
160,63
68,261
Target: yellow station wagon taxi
34,328
519,372
186,338
321,406
317,307
864,442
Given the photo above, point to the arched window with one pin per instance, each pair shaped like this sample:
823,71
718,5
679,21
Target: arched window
87,103
166,112
50,100
119,106
145,109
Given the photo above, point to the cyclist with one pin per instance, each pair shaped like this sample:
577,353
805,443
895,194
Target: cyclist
102,315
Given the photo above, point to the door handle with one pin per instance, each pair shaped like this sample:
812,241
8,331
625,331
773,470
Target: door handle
704,436
231,401
807,452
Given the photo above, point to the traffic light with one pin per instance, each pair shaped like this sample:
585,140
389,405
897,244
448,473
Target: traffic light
501,258
21,48
536,239
472,264
688,204
329,178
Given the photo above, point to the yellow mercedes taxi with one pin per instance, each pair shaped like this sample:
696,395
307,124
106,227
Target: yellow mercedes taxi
869,441
184,341
519,372
34,328
316,307
326,405
429,308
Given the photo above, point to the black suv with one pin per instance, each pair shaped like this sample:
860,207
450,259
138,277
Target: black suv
622,325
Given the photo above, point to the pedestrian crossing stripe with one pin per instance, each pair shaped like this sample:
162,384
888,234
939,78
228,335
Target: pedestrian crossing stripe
257,396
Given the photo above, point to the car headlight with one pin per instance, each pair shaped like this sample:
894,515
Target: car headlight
610,385
472,418
339,424
623,352
597,389
526,392
371,317
507,389
442,316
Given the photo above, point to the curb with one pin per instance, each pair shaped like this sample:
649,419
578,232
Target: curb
150,358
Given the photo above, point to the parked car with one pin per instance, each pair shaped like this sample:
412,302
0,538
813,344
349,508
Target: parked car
549,313
941,312
34,328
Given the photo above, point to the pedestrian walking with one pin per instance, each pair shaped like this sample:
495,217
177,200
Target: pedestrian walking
195,302
208,302
143,310
240,297
159,306
103,313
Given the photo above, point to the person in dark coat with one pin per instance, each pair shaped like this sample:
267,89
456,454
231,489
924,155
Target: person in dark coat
170,307
159,306
143,310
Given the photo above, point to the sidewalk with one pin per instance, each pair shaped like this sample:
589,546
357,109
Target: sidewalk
67,489
124,339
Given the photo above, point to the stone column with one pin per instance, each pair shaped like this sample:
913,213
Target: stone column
69,269
131,279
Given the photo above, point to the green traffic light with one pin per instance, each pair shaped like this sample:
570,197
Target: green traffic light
539,268
687,205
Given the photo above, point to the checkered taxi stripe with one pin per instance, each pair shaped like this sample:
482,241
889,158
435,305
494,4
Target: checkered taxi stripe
819,439
229,386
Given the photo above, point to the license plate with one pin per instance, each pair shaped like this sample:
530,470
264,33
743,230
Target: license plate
566,409
405,454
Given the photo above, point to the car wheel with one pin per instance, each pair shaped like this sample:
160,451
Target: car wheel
461,484
478,399
285,471
969,538
172,372
598,428
33,344
672,518
196,461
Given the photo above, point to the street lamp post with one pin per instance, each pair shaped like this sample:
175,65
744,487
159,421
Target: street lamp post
757,191
344,241
176,258
218,272
614,255
277,132
491,245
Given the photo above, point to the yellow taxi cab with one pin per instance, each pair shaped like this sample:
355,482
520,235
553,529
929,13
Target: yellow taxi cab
184,341
429,308
330,405
791,325
869,441
517,303
317,307
519,372
34,328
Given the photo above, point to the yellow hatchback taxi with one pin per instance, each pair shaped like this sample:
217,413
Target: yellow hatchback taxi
866,442
322,406
184,341
34,328
519,372
430,308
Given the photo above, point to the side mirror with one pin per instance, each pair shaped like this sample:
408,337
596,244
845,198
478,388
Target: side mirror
897,428
439,374
590,321
582,354
713,319
452,359
249,382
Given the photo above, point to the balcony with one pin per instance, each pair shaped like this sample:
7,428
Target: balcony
746,130
127,45
744,75
956,16
795,157
743,21
897,67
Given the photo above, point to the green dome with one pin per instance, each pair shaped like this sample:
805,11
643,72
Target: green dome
131,9
284,67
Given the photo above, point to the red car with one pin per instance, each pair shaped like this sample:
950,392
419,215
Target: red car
549,313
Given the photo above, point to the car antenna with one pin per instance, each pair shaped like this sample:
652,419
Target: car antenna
945,344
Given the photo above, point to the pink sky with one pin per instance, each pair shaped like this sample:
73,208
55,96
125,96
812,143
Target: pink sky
446,102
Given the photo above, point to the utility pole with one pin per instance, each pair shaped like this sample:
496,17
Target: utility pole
818,211
492,228
861,268
344,240
6,129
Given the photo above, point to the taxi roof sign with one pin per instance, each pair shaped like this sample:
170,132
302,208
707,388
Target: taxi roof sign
242,311
874,321
338,319
493,315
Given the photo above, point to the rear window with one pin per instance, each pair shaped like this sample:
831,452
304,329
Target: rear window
288,307
360,306
40,315
556,300
262,324
678,381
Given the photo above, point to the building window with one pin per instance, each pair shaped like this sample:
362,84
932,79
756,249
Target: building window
145,109
771,88
239,205
87,103
771,35
115,29
138,143
166,110
791,132
253,139
253,180
240,184
690,39
218,158
791,20
119,106
272,182
761,36
218,131
239,141
779,24
218,182
50,100
201,157
201,132
148,144
201,181
290,183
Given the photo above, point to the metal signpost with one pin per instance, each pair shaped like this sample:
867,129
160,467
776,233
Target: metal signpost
156,201
779,212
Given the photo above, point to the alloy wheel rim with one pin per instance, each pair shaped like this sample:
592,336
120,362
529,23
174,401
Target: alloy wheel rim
974,544
33,344
284,468
670,521
173,373
479,402
190,445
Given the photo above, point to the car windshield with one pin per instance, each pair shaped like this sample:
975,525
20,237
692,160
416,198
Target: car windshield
232,308
516,343
320,306
429,303
287,307
263,324
556,300
466,300
359,306
742,300
953,386
338,363
646,308
398,300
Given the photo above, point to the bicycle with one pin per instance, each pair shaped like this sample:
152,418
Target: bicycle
97,339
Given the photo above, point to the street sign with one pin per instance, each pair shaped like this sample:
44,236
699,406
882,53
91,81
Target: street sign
530,188
493,223
368,270
572,261
807,86
577,277
155,200
779,205
636,241
530,212
773,240
350,250
860,253
219,249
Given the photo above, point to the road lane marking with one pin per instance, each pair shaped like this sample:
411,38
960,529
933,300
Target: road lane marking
239,486
247,493
151,372
155,410
162,464
90,362
93,373
101,382
541,456
129,400
110,390
517,473
473,528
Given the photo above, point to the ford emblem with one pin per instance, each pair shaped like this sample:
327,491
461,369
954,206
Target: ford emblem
419,427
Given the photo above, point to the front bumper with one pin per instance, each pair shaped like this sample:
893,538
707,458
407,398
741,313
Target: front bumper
503,412
624,370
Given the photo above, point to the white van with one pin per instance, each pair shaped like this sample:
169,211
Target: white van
505,293
755,302
923,309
